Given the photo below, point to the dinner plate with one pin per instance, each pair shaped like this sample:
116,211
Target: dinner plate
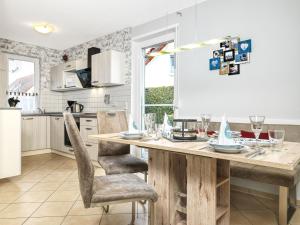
235,148
131,136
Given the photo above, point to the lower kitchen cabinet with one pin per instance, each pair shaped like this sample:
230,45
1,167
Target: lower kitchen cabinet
34,133
57,133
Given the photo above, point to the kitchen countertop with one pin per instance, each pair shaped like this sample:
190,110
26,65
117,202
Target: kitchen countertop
60,114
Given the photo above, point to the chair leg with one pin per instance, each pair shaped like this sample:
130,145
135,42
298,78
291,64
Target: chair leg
283,204
105,209
132,214
151,213
146,180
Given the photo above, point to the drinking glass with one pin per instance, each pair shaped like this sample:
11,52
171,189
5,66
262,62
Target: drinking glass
205,123
276,139
150,119
158,131
257,123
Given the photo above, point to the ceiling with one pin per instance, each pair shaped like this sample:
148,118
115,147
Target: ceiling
78,21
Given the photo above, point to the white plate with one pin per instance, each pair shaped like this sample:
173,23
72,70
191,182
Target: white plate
127,133
132,137
235,148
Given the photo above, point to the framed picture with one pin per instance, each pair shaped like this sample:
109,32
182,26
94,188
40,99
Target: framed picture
229,55
242,58
234,69
245,46
218,53
226,44
235,42
224,69
214,63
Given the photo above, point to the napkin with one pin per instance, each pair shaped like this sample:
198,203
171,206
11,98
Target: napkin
167,128
132,127
225,137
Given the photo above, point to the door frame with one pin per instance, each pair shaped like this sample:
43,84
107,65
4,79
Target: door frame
137,90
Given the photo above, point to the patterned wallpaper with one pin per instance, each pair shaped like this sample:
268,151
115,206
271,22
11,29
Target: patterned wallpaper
93,99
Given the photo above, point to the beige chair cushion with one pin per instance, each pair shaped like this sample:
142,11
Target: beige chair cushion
122,164
121,187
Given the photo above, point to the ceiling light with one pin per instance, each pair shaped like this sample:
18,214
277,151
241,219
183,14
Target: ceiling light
43,28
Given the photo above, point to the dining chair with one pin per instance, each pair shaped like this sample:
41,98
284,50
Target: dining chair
97,191
113,157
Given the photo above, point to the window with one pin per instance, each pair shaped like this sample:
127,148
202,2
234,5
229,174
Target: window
23,81
159,81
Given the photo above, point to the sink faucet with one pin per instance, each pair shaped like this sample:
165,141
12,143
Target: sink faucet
40,110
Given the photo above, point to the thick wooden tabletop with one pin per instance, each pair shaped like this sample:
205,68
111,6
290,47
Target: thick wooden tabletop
286,159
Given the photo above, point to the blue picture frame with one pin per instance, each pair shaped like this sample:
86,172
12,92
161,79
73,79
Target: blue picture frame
214,63
245,46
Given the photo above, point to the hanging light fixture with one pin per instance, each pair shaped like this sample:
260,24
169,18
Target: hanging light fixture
191,46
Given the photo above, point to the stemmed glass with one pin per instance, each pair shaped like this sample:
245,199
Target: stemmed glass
205,122
257,123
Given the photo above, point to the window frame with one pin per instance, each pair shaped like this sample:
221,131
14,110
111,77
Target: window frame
37,76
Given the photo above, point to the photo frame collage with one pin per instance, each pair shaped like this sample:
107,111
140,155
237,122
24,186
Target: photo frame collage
230,56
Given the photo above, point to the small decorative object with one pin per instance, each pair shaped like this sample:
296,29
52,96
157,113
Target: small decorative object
234,69
226,44
13,101
65,58
218,53
229,55
242,58
214,63
245,46
224,69
184,129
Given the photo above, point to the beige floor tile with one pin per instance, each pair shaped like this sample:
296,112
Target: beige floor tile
79,210
54,178
53,209
69,186
19,210
263,217
45,221
45,186
126,208
17,221
64,196
9,197
296,218
80,220
15,187
123,219
35,196
246,202
236,218
2,206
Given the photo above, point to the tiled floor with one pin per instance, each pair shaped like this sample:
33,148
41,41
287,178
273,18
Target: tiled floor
47,193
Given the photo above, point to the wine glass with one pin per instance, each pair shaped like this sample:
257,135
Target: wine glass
150,119
205,123
257,123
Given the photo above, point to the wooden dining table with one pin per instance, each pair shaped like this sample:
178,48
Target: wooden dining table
193,181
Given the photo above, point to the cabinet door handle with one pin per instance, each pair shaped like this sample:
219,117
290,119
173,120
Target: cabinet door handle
88,121
28,118
88,145
68,65
95,81
88,128
56,118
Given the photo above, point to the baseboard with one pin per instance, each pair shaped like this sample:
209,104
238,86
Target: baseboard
71,156
36,152
253,192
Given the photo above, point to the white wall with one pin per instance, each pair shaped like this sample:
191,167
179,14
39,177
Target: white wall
269,85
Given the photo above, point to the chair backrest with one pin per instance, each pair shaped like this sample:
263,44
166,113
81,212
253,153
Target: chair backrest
112,122
84,164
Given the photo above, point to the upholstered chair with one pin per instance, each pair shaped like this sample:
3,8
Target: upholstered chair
113,157
97,191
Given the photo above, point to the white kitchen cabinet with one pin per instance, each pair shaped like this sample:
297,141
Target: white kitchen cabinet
57,77
108,69
10,142
57,133
34,133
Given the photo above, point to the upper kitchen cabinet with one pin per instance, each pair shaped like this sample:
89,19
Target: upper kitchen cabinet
57,77
108,69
